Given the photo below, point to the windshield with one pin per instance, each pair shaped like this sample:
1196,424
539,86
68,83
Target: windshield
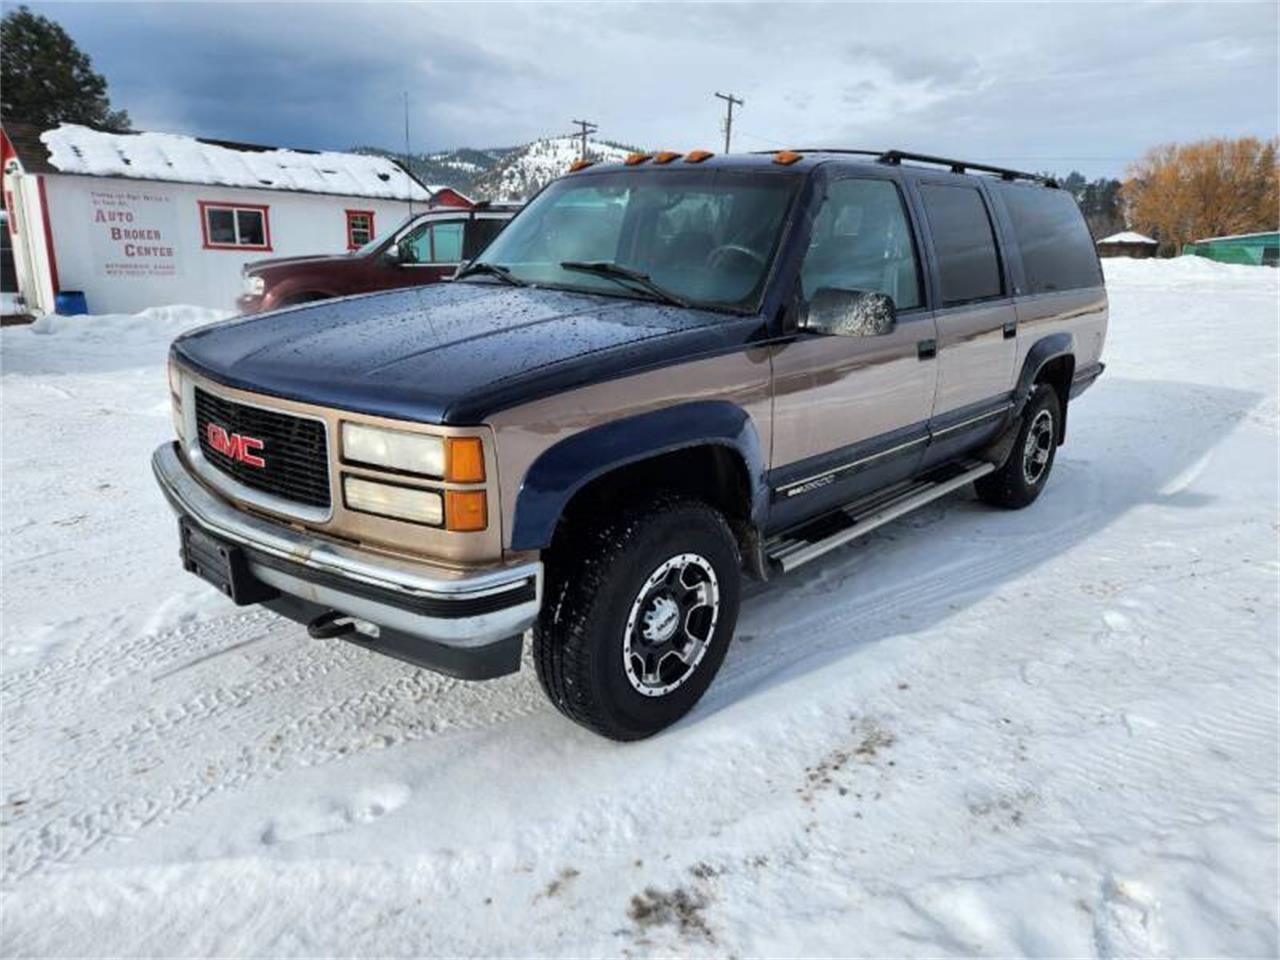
704,236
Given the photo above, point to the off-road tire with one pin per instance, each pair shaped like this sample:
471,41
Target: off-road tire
590,591
1011,486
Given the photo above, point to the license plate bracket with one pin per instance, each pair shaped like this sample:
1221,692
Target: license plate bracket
222,564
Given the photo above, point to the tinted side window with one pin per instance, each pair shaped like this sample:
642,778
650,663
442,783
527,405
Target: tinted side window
479,232
968,265
861,241
1057,250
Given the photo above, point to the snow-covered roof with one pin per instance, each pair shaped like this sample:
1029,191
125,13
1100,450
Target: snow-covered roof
167,156
1128,236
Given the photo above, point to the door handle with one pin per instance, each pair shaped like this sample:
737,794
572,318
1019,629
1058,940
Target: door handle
1011,329
926,349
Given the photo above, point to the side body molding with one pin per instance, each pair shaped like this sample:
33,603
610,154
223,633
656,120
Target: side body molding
564,469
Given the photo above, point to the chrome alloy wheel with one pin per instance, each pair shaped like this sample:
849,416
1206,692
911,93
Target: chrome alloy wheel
671,623
1038,448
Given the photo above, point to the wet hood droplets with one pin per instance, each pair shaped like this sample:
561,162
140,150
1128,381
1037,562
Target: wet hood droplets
450,353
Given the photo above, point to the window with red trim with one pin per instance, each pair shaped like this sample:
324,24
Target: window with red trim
359,228
235,226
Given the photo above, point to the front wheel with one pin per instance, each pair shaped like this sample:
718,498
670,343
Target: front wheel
1026,470
637,618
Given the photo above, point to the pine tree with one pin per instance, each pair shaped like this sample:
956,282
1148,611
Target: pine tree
46,79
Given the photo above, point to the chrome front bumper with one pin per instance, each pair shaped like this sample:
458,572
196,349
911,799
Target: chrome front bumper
457,609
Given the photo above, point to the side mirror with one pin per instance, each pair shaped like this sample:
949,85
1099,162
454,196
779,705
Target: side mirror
392,254
849,313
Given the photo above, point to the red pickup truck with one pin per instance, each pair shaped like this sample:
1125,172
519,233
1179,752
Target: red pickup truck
425,248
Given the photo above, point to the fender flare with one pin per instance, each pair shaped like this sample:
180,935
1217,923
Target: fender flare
566,467
1044,350
1048,348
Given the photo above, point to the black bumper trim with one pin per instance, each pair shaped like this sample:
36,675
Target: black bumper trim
496,659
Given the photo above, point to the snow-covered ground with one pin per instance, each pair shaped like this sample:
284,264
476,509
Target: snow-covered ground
1048,732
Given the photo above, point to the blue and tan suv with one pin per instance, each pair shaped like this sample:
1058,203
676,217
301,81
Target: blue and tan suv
663,375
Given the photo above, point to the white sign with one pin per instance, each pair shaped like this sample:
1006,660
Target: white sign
134,233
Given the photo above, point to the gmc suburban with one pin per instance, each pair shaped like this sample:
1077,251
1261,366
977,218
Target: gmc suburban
662,375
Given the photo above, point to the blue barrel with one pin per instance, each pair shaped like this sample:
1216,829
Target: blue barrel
70,303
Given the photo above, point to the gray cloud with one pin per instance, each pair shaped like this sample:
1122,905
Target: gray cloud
1050,86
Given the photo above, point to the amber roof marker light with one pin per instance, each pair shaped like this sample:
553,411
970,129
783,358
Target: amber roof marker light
697,156
665,156
579,165
787,157
636,158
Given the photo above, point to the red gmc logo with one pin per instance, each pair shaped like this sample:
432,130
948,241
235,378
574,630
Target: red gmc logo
235,445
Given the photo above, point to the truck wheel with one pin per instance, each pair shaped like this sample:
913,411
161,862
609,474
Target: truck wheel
1025,472
637,618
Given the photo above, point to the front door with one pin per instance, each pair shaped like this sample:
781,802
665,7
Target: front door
851,413
429,252
977,323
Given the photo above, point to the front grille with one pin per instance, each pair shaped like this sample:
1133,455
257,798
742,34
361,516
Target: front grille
294,449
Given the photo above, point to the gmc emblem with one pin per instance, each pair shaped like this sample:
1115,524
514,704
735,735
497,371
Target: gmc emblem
235,445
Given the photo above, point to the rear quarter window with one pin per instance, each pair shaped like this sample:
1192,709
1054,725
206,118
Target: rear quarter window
1053,241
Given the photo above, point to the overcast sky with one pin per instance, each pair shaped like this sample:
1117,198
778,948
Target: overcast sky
1046,86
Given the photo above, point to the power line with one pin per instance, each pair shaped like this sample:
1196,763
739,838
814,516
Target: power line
729,100
586,127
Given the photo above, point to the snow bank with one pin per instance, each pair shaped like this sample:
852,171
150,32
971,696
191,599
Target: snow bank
54,344
149,325
1177,271
166,156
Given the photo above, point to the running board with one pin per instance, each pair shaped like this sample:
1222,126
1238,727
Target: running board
787,553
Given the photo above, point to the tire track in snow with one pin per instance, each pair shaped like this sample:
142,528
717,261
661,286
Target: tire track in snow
163,741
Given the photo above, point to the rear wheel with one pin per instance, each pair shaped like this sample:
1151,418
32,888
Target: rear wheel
1026,471
637,618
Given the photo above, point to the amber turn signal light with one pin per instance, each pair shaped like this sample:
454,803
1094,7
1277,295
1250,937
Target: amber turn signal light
465,511
464,460
697,156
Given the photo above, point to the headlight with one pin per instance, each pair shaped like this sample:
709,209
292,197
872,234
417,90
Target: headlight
403,503
396,449
253,284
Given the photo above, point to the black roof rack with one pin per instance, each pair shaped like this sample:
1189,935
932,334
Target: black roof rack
895,157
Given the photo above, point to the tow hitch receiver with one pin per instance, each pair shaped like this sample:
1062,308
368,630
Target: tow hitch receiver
332,624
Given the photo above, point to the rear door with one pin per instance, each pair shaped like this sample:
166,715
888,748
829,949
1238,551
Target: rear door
977,323
851,413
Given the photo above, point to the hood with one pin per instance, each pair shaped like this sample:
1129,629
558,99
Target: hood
453,352
272,263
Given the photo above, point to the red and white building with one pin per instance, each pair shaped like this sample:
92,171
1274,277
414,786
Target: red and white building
134,220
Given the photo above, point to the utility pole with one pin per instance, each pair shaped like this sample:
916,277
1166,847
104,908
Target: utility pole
729,100
587,127
407,161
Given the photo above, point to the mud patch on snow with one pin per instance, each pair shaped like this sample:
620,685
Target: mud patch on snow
554,888
679,909
834,771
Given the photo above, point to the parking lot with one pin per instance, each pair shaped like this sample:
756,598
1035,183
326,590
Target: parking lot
1050,731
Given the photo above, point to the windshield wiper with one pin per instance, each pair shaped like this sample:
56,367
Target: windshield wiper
606,268
493,270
